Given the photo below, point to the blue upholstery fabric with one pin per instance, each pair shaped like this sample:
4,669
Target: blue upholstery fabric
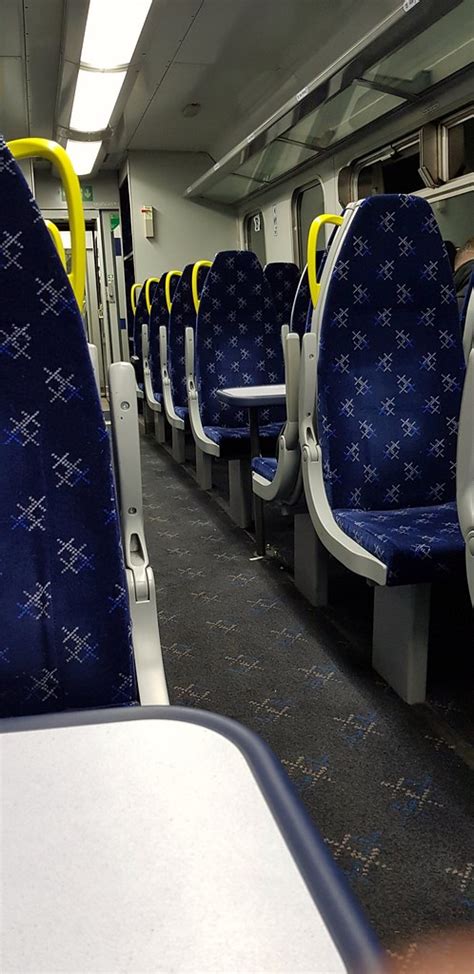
265,466
301,305
282,278
391,368
238,342
418,544
219,434
182,316
65,625
159,316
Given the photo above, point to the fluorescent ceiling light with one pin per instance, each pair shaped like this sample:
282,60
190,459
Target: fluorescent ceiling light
94,99
112,31
83,155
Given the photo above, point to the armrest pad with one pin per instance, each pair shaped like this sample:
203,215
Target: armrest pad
292,375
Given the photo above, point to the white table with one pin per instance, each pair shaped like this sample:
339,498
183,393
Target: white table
254,396
137,842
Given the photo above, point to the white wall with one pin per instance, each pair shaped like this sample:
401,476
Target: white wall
104,187
184,231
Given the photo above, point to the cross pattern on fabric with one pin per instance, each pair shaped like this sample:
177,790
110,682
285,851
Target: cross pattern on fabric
238,343
66,627
390,370
159,316
182,316
282,278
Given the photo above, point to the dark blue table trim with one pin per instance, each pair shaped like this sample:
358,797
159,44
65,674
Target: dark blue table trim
328,887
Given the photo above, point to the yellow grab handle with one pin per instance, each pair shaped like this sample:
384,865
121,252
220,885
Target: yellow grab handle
46,149
133,291
168,277
314,285
56,237
149,282
194,281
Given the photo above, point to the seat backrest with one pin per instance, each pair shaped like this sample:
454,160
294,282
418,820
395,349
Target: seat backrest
64,611
238,340
182,316
283,279
159,315
142,317
390,362
301,304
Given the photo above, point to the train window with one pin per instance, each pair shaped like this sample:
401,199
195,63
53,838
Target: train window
461,148
255,235
455,216
397,172
308,203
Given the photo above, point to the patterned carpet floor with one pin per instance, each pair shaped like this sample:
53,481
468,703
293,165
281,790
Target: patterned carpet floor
388,786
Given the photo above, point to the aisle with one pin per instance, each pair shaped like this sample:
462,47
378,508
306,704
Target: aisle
392,800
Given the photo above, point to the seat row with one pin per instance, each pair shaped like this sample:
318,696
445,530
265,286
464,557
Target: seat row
366,449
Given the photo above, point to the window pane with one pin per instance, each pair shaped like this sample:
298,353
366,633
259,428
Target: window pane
275,160
461,148
455,217
397,174
310,204
342,115
442,49
255,235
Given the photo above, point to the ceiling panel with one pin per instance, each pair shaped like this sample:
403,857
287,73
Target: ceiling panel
11,28
13,109
43,50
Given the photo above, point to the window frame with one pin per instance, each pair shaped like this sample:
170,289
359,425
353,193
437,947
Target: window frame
299,246
444,126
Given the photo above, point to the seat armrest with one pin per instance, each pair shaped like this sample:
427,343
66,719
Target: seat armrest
201,440
173,419
292,375
307,393
465,471
141,586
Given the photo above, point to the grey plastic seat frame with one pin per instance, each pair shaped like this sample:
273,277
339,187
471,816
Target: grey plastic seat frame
148,657
468,335
465,471
178,426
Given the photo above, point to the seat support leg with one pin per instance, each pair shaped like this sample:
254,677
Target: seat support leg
311,562
259,518
178,444
160,427
240,492
148,418
400,638
203,469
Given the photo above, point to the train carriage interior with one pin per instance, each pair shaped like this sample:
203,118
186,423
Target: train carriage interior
237,486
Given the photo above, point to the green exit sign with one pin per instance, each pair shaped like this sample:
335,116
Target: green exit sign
87,193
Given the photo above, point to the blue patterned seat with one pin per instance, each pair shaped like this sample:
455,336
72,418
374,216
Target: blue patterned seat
238,343
390,376
159,315
283,279
140,319
65,624
182,316
265,466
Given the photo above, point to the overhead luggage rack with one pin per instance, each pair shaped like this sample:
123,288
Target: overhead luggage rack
401,60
